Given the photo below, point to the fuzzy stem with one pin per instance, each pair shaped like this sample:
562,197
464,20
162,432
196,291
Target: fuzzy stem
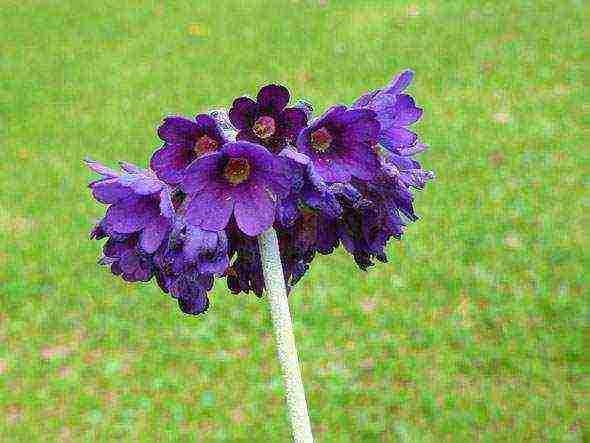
283,331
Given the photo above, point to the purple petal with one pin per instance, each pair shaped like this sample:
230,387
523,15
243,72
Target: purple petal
365,99
201,172
407,111
361,161
130,167
153,234
210,209
100,168
273,98
293,121
178,130
109,191
209,126
131,214
255,210
170,162
331,169
142,183
195,304
400,83
362,130
396,137
243,113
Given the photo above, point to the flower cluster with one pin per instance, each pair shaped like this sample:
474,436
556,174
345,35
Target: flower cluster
219,180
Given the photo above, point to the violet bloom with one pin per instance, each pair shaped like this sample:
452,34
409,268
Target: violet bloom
243,179
185,140
123,254
341,144
139,203
395,112
186,265
310,193
267,121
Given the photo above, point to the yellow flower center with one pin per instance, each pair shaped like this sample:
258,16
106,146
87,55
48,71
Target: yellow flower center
321,140
237,170
205,145
264,127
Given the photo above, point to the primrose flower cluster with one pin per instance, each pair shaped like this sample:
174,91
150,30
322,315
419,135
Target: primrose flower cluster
221,179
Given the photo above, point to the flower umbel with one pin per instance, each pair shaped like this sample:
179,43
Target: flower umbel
221,179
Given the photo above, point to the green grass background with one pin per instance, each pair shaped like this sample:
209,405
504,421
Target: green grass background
477,329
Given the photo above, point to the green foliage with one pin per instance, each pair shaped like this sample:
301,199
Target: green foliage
473,332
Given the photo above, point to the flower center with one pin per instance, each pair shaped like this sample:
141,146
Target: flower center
237,170
205,145
264,127
321,140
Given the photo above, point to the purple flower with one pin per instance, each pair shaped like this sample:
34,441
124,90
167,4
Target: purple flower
311,193
243,179
123,254
395,112
139,203
186,265
267,121
340,144
185,140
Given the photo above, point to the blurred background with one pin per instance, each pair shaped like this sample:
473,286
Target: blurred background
475,330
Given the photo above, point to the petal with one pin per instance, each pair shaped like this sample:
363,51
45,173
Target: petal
201,172
131,214
362,130
208,125
109,191
142,183
153,234
255,210
194,304
272,98
396,137
400,83
331,168
170,162
351,119
365,99
293,120
407,111
100,168
243,113
178,130
248,135
210,209
361,161
130,167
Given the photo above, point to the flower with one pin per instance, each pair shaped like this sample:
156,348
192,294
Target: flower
185,140
123,254
267,121
340,144
186,265
139,203
395,111
242,179
311,192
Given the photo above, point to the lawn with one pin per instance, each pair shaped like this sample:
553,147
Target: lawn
475,331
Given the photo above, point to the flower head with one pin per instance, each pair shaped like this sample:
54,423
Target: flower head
267,121
123,254
242,179
185,140
139,203
395,112
340,144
